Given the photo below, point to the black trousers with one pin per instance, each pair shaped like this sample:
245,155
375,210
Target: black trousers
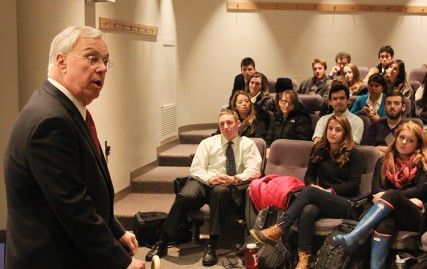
192,196
312,204
406,216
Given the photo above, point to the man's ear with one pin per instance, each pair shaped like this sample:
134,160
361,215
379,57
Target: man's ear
403,106
60,62
239,123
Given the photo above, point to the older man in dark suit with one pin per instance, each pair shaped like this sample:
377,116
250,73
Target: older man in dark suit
59,191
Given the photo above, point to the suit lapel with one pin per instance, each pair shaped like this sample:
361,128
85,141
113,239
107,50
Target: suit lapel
78,119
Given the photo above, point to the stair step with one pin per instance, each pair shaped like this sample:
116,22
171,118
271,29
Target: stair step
159,179
195,136
126,208
178,155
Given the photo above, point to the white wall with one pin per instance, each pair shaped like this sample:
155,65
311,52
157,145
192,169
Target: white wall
211,42
128,111
38,23
8,88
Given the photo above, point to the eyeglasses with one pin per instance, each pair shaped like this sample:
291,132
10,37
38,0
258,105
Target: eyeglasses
284,102
94,60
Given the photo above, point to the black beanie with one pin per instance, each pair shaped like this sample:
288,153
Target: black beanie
283,84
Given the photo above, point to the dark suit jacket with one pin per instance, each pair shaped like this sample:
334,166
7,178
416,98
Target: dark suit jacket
59,191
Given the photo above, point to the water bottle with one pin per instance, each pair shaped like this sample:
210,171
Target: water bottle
251,256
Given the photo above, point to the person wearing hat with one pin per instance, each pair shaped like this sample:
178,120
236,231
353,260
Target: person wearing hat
282,84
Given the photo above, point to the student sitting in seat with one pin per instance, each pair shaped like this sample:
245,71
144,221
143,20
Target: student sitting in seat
341,59
385,56
318,84
372,104
220,161
355,84
258,89
282,84
400,189
333,175
292,122
396,79
381,134
338,99
255,123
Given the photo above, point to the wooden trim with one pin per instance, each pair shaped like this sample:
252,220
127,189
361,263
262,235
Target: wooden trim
107,24
121,194
340,8
2,236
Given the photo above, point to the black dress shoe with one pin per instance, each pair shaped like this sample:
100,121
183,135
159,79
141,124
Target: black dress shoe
158,249
209,257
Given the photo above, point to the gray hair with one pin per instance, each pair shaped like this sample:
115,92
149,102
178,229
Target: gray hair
65,40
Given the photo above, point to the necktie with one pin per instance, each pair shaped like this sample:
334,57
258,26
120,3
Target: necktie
230,163
90,124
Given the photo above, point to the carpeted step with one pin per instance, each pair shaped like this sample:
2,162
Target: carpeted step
195,136
159,179
127,207
178,155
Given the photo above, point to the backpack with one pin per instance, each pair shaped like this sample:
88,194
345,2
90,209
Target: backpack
148,226
270,257
331,255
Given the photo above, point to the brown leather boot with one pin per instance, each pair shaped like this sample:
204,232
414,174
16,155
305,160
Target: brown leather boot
304,260
268,236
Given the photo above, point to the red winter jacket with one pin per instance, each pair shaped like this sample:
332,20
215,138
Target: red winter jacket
273,190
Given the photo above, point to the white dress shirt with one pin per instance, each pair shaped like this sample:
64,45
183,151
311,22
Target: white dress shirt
210,159
356,124
80,107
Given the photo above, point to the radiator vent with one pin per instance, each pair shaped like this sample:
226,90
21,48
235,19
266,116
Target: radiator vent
169,128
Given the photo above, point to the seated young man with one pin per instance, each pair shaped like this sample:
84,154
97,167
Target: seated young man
318,84
220,161
341,59
247,69
385,56
382,133
338,98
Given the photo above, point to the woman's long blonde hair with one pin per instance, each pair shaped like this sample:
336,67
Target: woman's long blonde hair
251,118
322,148
420,153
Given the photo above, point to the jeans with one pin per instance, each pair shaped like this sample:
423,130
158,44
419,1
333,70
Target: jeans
312,204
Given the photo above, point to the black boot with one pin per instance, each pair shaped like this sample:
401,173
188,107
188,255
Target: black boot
209,257
160,249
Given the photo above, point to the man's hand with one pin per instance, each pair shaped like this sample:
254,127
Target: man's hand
128,240
417,202
382,149
136,264
217,180
366,111
320,188
223,180
377,196
334,71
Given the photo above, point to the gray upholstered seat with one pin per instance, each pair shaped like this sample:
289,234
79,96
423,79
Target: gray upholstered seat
417,74
311,102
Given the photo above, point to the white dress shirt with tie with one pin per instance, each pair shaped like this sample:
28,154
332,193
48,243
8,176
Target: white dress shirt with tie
210,158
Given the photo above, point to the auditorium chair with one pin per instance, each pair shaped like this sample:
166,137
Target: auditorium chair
313,103
198,216
363,71
417,74
290,158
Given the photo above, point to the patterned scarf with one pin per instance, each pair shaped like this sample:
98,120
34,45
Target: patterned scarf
403,173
